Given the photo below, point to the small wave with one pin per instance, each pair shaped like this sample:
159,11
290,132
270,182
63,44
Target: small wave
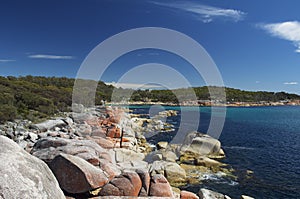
218,178
152,145
238,147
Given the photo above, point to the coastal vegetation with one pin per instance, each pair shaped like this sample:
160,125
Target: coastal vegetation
35,97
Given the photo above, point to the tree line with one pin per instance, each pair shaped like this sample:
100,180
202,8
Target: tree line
36,97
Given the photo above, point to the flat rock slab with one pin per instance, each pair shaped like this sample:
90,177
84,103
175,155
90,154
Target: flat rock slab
48,148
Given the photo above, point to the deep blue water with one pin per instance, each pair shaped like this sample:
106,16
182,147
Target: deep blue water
265,140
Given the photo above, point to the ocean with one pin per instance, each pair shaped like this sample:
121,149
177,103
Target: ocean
265,140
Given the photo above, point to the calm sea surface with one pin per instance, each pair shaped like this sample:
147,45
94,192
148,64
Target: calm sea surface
265,140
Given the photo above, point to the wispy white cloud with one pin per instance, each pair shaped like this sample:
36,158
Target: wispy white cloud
290,83
257,82
134,85
289,30
42,56
6,60
205,13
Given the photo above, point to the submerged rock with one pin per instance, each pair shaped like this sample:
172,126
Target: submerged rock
23,175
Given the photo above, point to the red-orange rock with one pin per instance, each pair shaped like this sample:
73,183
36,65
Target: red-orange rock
118,133
110,169
100,132
135,181
188,195
76,175
104,122
111,132
160,187
94,160
128,184
110,190
104,143
145,178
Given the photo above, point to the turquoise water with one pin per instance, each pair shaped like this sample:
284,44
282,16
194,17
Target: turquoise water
265,140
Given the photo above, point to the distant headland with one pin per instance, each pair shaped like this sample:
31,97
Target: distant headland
37,97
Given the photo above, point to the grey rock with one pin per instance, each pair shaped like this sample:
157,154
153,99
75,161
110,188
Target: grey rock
77,108
32,136
169,156
23,144
171,170
25,176
42,135
126,155
49,124
209,194
200,144
162,145
10,133
47,148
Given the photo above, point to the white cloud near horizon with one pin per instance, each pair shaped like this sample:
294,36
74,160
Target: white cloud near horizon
205,13
290,83
43,56
134,85
6,60
289,30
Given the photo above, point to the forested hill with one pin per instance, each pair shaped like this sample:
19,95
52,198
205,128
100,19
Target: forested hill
202,93
34,97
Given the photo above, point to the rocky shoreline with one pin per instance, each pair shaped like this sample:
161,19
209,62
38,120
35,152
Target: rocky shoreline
102,152
208,103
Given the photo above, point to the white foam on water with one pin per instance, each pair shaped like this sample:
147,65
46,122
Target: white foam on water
219,178
238,147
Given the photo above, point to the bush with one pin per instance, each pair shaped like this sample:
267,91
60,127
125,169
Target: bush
7,113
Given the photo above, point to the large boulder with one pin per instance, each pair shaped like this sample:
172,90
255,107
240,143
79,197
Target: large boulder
160,187
23,175
171,170
145,178
200,144
50,124
127,184
175,174
76,175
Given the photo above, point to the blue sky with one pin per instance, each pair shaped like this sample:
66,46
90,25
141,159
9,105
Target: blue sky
255,44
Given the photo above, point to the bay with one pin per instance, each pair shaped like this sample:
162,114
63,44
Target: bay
265,140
